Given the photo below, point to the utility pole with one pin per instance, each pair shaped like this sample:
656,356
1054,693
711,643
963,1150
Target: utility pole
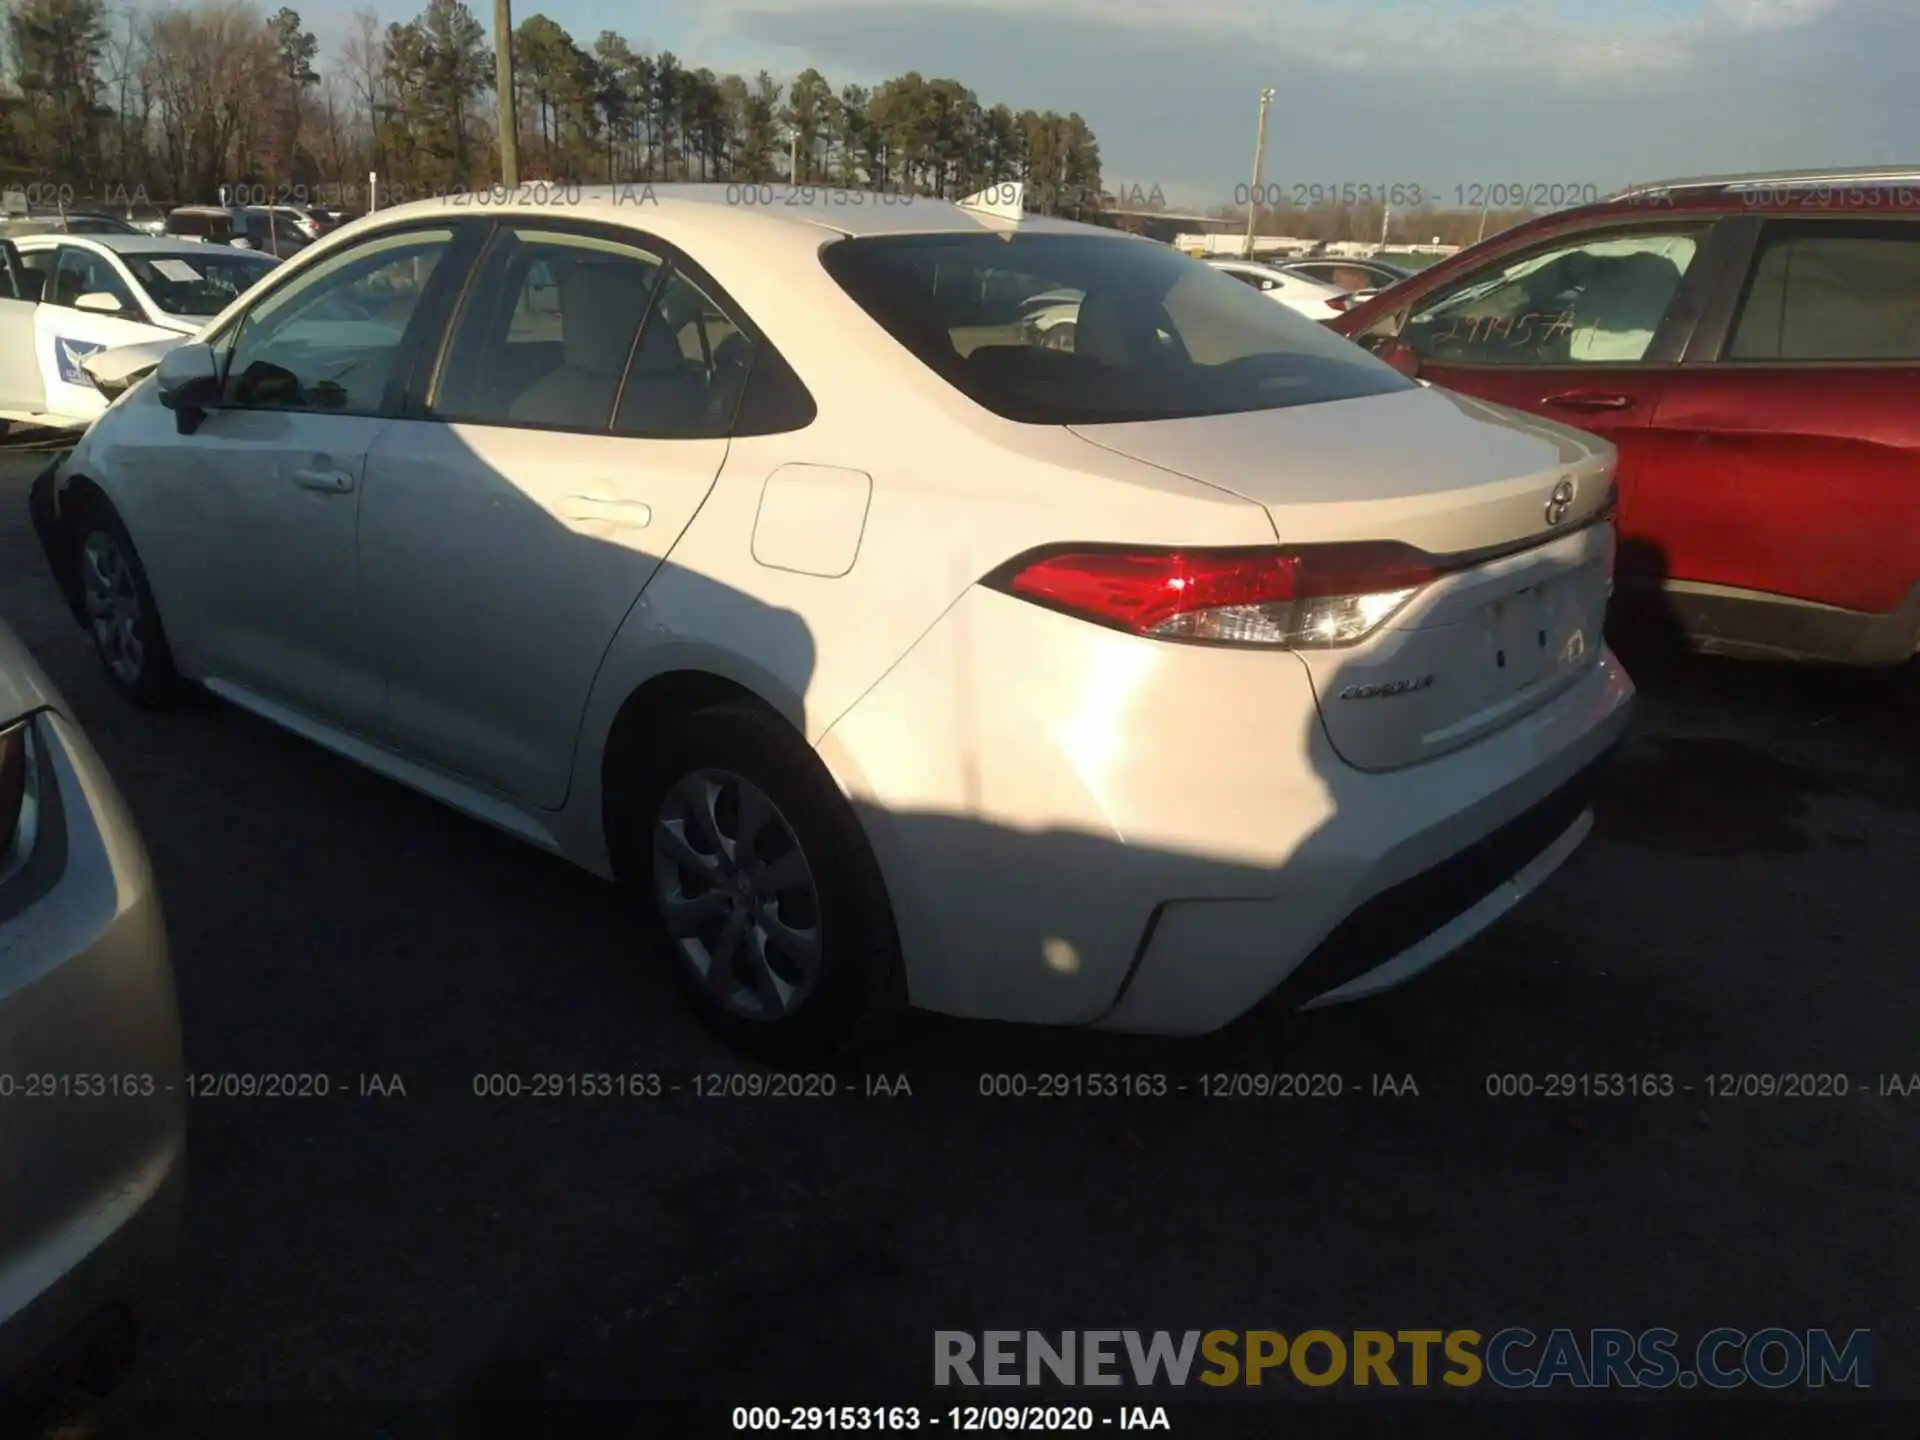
503,83
793,158
1259,161
126,70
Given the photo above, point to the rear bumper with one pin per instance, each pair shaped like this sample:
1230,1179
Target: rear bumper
1080,827
91,1115
1464,839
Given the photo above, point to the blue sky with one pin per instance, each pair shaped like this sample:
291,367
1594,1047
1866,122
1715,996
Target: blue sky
1437,93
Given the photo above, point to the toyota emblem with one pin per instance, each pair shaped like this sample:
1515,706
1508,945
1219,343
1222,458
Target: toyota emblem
1560,503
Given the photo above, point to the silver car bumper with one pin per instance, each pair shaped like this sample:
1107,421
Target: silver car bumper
92,1116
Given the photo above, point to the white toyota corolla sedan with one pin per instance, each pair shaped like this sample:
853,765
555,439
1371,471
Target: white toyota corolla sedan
761,557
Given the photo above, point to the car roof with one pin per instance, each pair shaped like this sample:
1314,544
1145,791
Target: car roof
1888,190
766,208
1864,177
124,244
1336,260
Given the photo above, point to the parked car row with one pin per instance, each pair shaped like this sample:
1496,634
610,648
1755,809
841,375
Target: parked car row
277,229
66,299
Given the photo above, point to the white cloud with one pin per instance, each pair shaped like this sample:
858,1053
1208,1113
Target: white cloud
1508,41
1769,14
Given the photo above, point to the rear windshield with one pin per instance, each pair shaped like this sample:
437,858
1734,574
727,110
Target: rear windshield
1084,329
200,222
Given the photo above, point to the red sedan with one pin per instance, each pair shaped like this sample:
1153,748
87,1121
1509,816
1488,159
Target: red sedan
1751,344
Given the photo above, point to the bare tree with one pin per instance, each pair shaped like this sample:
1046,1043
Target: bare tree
185,98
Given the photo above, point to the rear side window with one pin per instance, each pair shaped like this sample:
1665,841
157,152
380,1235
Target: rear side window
1067,329
577,331
1847,291
688,369
548,324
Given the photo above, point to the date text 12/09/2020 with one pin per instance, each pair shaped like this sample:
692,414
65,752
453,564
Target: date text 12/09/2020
1403,194
810,1419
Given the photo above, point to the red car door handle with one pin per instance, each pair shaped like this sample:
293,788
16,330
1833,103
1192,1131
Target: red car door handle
1589,400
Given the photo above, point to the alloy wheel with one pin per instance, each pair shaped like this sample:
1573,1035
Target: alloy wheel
736,894
113,606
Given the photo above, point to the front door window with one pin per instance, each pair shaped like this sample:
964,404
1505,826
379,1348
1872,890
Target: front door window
1598,300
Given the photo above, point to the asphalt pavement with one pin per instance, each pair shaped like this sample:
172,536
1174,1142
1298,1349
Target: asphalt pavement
1746,906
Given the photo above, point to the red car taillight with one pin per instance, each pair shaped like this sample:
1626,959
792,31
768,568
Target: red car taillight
1341,302
1307,597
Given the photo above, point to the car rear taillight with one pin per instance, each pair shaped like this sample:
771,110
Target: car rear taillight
1306,597
1341,302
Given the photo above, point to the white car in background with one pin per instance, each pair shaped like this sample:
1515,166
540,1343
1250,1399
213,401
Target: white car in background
1315,299
67,298
768,561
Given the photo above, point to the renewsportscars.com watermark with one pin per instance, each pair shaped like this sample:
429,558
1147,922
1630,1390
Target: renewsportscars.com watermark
1515,1358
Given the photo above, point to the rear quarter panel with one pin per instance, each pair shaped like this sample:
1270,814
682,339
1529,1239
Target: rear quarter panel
954,494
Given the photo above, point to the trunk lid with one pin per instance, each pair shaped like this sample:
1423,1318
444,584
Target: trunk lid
1510,506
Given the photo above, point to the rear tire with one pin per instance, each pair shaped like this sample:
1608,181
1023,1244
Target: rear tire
756,882
120,611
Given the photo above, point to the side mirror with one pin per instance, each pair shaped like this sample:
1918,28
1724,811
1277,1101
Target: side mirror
100,303
187,381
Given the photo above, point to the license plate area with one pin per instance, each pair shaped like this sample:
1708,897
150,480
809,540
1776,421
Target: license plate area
1522,629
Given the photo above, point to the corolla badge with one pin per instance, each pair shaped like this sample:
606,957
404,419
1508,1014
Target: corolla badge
1381,688
1560,503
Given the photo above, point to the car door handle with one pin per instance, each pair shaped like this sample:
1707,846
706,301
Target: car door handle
1590,401
333,482
631,513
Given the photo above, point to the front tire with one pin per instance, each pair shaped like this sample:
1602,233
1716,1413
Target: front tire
120,611
757,883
